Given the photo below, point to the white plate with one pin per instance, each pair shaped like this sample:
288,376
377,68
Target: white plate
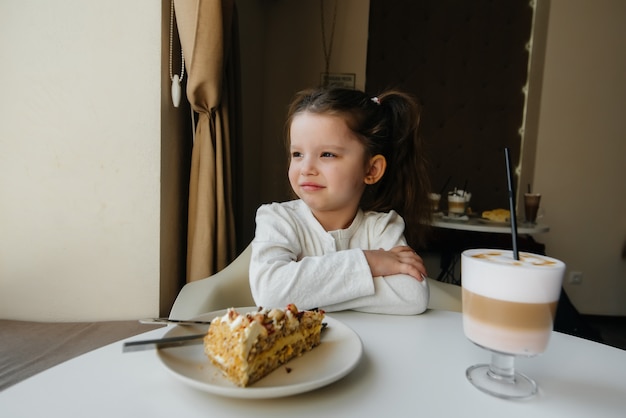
337,355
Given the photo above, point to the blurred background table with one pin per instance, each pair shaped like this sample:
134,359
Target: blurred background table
450,237
484,225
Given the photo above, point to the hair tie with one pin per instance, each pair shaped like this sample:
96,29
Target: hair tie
375,100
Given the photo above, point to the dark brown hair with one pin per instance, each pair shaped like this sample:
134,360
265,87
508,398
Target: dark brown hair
387,124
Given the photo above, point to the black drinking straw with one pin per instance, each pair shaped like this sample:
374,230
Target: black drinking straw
509,178
445,185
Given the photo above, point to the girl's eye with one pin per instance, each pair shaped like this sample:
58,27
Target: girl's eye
328,154
296,154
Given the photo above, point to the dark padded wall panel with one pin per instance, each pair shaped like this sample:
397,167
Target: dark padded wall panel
466,60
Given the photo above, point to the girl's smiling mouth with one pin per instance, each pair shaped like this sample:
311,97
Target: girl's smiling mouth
310,186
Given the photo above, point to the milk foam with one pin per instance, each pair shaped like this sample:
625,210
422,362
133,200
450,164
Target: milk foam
496,274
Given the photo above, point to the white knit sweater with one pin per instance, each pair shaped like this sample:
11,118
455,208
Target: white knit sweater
294,260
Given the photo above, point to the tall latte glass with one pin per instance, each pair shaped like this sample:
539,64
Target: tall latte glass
508,309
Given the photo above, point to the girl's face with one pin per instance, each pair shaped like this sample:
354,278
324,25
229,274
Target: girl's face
328,168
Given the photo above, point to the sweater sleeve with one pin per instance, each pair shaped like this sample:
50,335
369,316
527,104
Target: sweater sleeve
398,294
292,264
282,271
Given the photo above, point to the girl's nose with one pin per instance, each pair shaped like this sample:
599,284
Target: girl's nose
307,167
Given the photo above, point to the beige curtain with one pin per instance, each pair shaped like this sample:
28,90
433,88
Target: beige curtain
205,29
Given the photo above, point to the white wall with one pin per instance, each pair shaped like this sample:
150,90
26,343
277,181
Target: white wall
580,167
80,156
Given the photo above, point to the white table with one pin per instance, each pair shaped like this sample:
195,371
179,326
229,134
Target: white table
476,227
483,225
412,366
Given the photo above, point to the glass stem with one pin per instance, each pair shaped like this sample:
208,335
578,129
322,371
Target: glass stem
502,367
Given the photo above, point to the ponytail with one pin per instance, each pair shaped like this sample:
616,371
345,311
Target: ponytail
405,185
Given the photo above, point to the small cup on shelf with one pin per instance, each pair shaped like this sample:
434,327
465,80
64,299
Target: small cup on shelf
531,206
434,199
457,200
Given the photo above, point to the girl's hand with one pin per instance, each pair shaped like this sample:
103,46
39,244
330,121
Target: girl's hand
398,260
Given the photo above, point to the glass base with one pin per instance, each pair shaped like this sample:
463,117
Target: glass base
514,386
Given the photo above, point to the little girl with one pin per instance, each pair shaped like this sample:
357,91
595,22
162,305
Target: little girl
356,164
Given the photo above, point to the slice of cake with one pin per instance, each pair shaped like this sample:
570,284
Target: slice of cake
247,347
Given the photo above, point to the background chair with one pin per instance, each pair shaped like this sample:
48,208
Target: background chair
230,288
